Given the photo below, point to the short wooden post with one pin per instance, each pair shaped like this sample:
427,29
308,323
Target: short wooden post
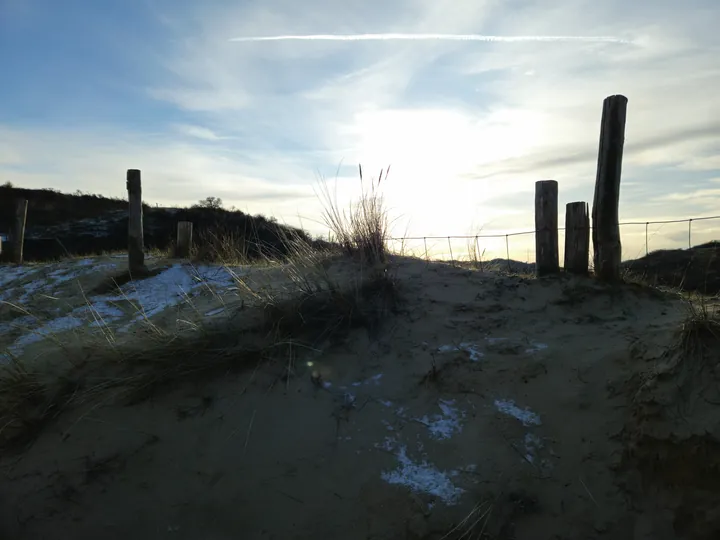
546,228
184,239
577,238
607,247
136,244
21,206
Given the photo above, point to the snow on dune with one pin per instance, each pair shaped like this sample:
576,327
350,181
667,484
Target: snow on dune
146,297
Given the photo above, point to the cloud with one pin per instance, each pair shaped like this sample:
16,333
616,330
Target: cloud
433,37
198,132
254,102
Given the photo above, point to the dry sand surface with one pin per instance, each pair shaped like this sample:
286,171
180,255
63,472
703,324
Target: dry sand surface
503,407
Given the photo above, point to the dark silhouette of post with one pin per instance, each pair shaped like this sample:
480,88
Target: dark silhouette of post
607,248
184,239
136,254
546,228
21,206
577,238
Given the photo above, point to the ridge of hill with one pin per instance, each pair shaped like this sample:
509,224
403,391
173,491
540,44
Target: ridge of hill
61,224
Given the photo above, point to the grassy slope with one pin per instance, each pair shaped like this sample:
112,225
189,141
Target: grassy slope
61,224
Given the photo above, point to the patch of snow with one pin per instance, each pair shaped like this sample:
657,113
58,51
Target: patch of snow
149,296
7,293
374,379
12,273
385,403
388,444
526,416
168,288
445,425
21,322
536,347
470,348
533,443
51,327
422,477
30,289
48,282
101,313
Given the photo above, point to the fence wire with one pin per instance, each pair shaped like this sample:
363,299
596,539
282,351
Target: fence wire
507,236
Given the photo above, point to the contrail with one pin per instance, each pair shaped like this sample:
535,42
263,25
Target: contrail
435,37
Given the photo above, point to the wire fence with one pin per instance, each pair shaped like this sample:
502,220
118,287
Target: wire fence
506,244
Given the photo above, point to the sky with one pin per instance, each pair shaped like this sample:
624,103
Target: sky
468,102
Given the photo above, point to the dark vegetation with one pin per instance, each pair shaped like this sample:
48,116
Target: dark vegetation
696,269
63,224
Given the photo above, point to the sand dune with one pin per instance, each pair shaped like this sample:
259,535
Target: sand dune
491,404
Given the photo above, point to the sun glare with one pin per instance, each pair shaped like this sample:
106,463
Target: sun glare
428,148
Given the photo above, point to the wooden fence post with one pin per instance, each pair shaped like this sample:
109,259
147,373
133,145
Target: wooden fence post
607,247
184,239
136,243
546,228
577,238
21,206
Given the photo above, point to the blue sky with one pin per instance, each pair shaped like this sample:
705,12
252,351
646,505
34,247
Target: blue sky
91,88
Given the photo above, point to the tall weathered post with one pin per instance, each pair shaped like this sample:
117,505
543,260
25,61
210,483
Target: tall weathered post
577,238
607,247
136,243
546,228
21,206
184,239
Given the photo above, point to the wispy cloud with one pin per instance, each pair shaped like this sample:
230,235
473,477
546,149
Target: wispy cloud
199,132
436,37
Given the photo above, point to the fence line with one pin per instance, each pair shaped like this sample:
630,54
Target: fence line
507,236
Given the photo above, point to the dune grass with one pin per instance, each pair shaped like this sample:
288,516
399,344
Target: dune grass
363,229
263,327
701,329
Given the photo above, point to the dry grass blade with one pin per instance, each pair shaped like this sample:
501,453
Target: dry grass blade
363,230
702,325
474,522
28,401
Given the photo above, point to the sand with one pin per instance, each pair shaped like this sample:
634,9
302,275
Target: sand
535,408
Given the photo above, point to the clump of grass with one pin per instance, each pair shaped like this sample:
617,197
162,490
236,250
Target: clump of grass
221,246
273,334
475,255
363,230
29,400
701,328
